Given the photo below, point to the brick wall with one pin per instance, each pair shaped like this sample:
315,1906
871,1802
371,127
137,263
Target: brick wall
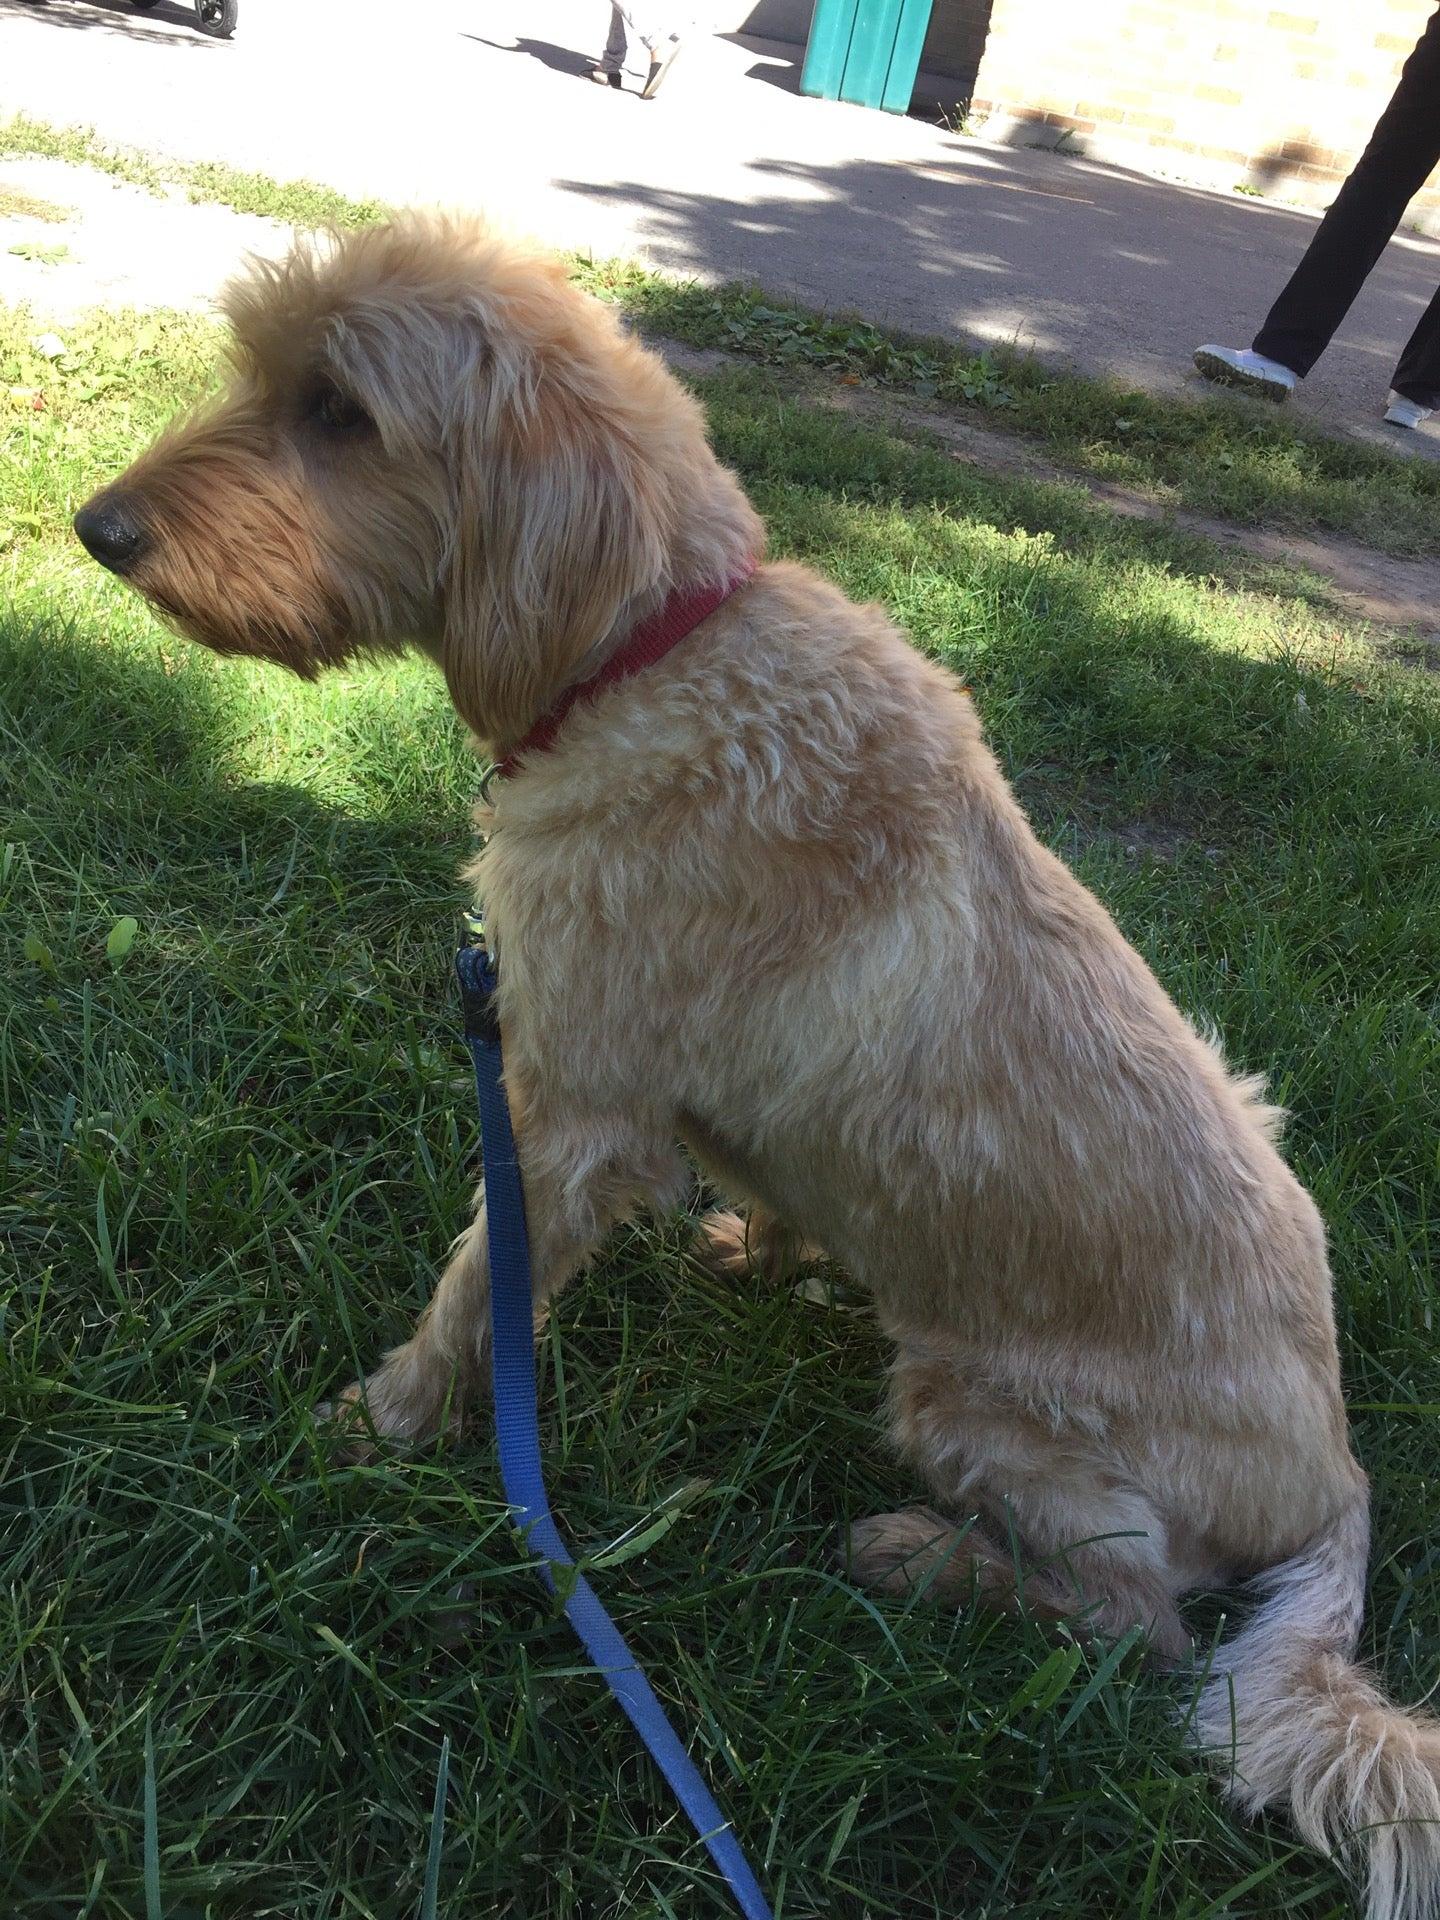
1226,91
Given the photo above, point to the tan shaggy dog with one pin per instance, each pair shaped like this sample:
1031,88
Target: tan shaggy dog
771,897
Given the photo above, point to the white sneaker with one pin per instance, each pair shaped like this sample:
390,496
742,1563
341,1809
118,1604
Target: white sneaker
1405,413
1243,367
660,65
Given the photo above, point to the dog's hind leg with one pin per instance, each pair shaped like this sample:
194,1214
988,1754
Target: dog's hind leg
919,1548
731,1243
1093,1545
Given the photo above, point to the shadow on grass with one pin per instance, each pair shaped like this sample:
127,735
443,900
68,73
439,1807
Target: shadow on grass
824,448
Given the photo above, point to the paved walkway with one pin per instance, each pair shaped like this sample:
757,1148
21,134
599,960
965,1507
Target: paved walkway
729,173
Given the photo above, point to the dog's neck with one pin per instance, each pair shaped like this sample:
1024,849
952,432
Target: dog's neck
716,539
716,535
647,643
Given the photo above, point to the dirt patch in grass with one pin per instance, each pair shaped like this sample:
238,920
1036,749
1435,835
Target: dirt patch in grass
17,205
1386,589
1155,842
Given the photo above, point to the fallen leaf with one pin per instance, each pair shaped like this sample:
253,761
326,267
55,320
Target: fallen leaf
121,939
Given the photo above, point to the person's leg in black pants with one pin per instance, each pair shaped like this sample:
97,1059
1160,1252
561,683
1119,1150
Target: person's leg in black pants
1417,373
1403,151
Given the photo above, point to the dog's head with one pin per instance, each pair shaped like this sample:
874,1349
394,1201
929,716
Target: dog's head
430,436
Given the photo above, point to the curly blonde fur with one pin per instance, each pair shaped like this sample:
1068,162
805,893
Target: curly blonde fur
936,1058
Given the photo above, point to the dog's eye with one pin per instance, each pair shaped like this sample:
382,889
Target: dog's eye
335,411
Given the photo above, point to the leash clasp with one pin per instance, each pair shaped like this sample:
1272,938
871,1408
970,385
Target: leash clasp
476,971
472,929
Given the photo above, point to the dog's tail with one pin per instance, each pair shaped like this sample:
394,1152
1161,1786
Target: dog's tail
1304,1728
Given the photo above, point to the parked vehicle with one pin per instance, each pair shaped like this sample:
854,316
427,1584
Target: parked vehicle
215,17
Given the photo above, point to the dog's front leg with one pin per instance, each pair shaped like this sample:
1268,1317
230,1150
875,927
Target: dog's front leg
422,1385
580,1178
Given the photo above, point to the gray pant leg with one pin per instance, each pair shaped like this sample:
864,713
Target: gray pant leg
613,58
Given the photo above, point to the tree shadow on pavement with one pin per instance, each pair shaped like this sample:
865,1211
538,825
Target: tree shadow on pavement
992,234
1110,271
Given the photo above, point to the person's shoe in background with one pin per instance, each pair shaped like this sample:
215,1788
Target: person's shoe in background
660,65
1405,413
1244,368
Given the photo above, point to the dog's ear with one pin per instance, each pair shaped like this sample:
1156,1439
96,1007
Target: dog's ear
559,527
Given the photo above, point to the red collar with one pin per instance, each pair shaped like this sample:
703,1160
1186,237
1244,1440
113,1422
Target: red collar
680,614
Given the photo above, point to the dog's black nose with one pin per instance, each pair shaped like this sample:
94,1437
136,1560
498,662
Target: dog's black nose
110,535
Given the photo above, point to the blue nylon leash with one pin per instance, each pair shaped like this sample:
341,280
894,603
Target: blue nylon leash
517,1427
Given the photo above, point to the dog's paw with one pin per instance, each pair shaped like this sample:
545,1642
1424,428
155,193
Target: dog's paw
346,1419
390,1404
897,1552
735,1245
722,1244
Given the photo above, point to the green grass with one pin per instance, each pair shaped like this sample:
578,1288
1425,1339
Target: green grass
304,203
1236,459
233,1154
1221,455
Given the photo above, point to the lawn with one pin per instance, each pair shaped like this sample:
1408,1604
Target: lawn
238,1677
